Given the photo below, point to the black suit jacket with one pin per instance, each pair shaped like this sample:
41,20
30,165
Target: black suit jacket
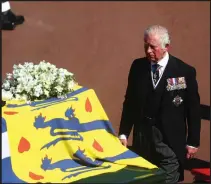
173,120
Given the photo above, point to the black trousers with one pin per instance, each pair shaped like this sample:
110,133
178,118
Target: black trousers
153,149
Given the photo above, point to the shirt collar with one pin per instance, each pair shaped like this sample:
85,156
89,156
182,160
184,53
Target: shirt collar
163,62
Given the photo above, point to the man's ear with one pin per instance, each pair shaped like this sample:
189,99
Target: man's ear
167,47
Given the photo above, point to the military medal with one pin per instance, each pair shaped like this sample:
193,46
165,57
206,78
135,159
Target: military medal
177,101
171,84
176,83
182,82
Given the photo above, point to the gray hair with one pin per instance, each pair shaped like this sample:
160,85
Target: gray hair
161,31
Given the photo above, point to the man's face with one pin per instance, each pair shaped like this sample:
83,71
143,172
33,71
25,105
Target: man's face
153,48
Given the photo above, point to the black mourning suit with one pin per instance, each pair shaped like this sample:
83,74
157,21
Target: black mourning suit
9,19
154,116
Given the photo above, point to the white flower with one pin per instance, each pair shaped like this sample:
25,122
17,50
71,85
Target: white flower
59,89
70,85
32,81
9,75
46,92
19,88
71,74
24,97
13,90
18,97
43,66
38,90
60,80
6,95
6,85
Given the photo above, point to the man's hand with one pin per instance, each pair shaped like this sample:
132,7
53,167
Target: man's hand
124,142
191,152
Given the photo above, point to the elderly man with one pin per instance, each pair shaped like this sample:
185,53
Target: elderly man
162,104
9,19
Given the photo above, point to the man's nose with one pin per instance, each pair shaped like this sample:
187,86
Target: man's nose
149,50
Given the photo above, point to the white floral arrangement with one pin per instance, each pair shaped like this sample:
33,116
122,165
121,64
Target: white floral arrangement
30,82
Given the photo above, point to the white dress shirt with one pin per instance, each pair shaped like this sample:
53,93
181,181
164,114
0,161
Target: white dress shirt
162,65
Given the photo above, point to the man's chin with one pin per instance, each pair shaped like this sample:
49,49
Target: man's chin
151,59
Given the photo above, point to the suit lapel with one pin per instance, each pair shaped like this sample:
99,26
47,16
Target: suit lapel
146,84
169,72
147,80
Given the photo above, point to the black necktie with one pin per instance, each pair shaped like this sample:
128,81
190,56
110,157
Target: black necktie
155,72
